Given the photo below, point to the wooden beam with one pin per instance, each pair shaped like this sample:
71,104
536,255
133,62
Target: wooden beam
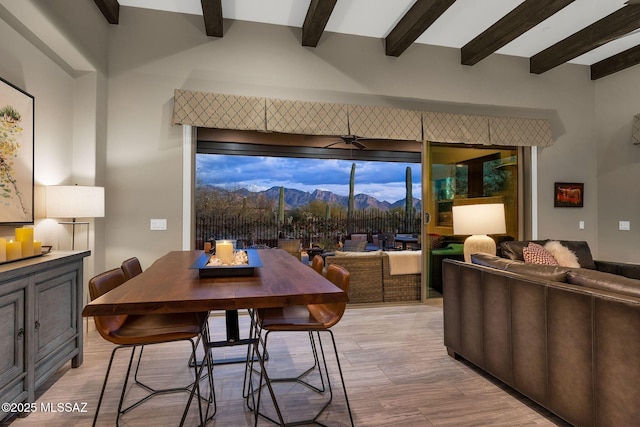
110,10
609,28
316,20
520,20
212,13
615,63
422,14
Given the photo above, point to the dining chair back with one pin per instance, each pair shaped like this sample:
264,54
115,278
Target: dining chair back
314,319
318,264
131,267
133,331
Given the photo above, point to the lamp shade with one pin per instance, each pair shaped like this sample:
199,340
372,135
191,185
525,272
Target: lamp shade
74,201
479,219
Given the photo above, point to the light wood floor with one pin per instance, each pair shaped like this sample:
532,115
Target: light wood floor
395,364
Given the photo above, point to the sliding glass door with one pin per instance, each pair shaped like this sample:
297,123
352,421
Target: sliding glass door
458,174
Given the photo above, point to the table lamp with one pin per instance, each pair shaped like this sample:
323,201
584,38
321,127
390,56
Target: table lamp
74,201
478,221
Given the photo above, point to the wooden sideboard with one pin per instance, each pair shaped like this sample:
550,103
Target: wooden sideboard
41,302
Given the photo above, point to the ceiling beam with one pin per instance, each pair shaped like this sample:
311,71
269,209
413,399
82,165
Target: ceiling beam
520,20
609,28
110,9
212,13
316,20
615,63
422,14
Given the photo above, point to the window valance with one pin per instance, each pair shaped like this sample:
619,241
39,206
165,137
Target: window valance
214,110
220,111
385,123
449,127
519,132
635,135
307,118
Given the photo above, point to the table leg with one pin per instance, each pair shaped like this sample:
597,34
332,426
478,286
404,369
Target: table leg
233,339
233,329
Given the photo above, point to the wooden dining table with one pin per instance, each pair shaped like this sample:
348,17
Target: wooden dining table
172,285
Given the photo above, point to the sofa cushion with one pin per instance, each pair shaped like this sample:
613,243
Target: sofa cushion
630,270
546,272
582,251
488,260
554,273
513,250
536,254
604,281
355,254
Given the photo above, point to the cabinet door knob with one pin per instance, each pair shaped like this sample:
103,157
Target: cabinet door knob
20,333
37,325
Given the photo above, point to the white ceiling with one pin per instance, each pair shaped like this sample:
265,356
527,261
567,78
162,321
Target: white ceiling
464,20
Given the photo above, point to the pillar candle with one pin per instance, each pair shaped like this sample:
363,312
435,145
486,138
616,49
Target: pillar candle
224,251
25,237
14,250
37,247
3,249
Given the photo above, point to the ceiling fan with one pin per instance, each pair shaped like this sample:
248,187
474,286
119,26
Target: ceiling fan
630,2
349,140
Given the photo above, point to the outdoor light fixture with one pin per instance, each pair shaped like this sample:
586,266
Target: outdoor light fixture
74,201
478,221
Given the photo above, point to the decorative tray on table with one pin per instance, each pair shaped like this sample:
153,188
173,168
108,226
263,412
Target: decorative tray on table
209,269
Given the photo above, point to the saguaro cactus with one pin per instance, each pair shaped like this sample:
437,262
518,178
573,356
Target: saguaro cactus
408,210
281,206
350,206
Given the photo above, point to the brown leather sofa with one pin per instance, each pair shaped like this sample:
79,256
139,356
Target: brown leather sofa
567,338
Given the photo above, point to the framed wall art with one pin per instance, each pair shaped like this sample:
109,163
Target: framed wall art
568,195
16,154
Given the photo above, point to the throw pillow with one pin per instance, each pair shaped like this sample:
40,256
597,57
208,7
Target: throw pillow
563,255
536,254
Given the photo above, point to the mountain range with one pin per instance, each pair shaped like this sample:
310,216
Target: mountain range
295,198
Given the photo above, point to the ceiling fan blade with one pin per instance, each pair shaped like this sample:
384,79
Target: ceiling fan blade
333,143
631,2
360,145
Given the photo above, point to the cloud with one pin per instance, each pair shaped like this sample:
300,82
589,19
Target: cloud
383,180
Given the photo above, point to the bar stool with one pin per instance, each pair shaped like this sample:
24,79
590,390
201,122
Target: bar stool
313,318
131,331
131,267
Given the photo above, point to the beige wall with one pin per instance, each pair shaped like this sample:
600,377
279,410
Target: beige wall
152,53
138,153
617,101
69,103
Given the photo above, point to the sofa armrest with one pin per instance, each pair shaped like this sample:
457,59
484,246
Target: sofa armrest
631,271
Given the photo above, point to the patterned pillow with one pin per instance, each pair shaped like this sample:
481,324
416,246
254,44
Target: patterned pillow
536,254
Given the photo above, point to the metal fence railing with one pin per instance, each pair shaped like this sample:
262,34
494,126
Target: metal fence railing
265,229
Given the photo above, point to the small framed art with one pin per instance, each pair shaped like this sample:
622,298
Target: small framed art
568,195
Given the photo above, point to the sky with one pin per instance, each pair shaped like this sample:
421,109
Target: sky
383,180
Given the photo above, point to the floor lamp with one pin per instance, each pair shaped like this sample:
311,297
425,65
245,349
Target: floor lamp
74,201
478,221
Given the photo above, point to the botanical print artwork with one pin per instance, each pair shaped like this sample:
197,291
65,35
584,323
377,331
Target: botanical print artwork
16,155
